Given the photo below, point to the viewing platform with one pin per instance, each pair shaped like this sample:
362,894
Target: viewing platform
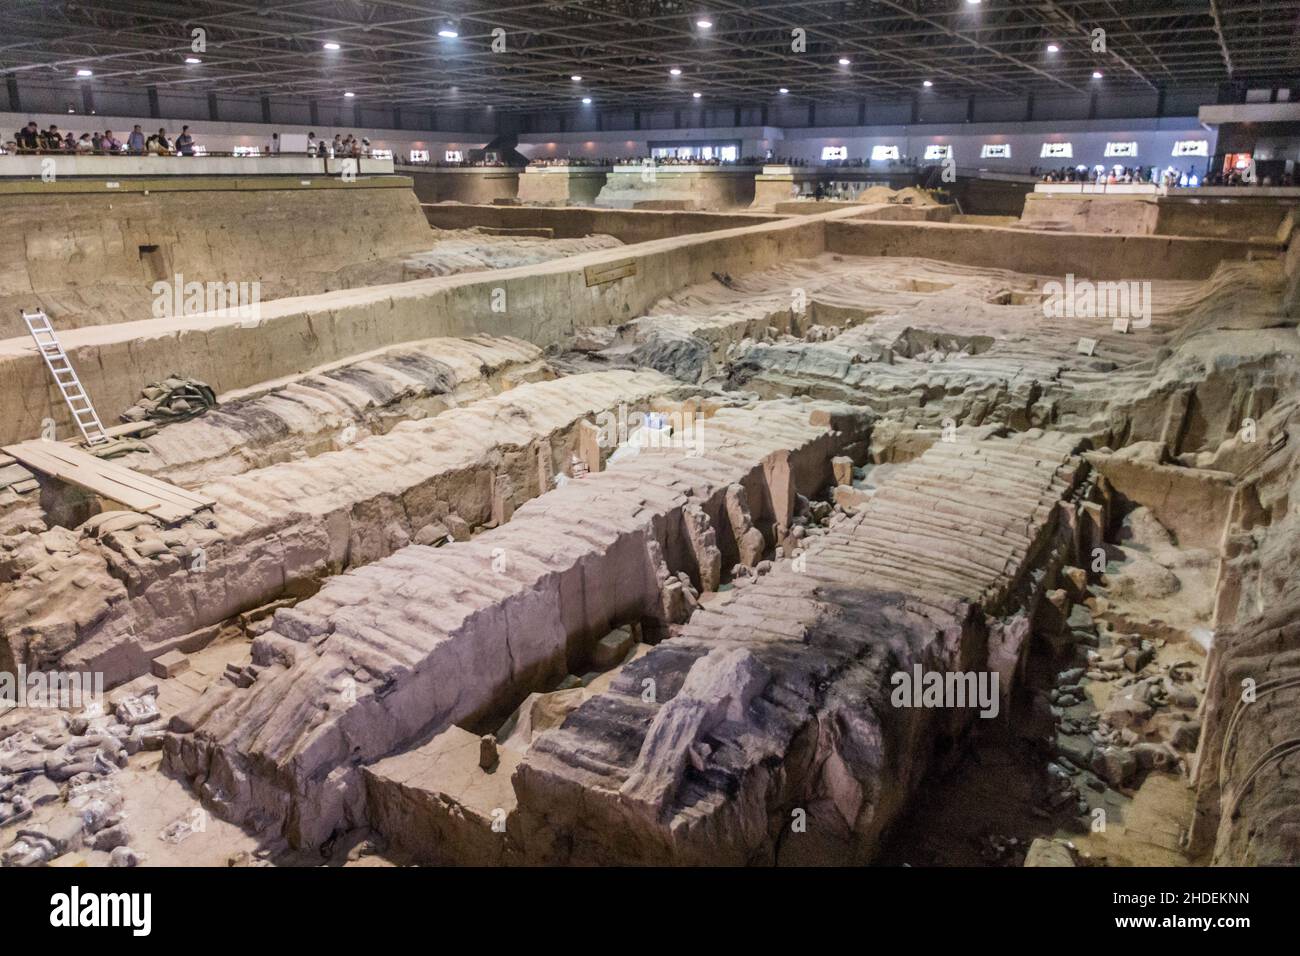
100,166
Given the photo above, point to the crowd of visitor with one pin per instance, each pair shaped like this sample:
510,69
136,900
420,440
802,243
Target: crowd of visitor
341,147
570,161
1170,178
32,139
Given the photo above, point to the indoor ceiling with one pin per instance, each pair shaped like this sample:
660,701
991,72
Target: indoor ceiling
392,53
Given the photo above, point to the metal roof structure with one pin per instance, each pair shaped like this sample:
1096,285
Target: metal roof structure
525,54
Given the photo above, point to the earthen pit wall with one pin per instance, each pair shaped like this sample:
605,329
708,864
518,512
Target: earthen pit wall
544,302
1114,215
626,225
1241,217
77,249
464,184
1087,255
708,187
1194,216
577,185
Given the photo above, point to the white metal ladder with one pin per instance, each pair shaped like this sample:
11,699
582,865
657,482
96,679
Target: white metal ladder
65,376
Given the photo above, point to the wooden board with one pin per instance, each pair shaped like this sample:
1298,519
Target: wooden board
138,492
598,275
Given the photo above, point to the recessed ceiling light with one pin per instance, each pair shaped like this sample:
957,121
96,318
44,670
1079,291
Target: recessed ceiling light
675,71
349,94
704,24
192,59
576,78
697,95
1096,74
1053,48
331,45
85,73
927,83
587,100
449,33
783,90
845,61
973,3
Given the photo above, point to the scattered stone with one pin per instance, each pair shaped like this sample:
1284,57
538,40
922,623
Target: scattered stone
1075,748
1115,765
1152,756
432,534
611,649
1045,852
110,838
124,856
1185,735
842,470
1075,582
457,528
169,664
488,757
1126,709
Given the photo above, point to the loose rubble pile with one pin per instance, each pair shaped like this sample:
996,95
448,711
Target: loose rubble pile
1148,719
68,763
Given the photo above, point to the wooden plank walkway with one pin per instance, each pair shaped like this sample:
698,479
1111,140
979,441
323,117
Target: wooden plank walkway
138,492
